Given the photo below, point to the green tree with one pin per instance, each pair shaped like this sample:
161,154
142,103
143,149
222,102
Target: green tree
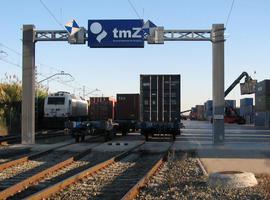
10,103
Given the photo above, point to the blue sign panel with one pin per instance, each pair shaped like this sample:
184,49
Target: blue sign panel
115,33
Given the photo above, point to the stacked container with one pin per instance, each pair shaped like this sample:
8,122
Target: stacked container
200,112
101,108
230,103
246,110
262,104
193,114
208,107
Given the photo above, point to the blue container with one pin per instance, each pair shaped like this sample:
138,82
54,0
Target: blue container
246,102
249,119
208,107
262,119
246,110
230,103
193,109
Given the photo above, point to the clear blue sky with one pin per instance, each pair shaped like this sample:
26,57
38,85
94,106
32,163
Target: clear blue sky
117,70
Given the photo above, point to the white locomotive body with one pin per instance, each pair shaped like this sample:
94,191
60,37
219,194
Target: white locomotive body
65,105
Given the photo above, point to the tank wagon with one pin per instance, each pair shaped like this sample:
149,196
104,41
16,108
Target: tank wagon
127,112
160,104
61,107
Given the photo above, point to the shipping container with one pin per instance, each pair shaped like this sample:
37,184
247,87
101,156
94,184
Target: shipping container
208,109
160,105
127,107
200,112
230,103
101,108
262,103
246,102
246,110
263,88
249,119
160,98
262,119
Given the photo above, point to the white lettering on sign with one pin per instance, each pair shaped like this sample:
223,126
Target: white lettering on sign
134,33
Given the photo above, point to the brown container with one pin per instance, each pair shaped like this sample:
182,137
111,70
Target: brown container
200,112
127,107
101,108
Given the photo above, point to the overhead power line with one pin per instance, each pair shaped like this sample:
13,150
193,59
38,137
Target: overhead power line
10,49
11,63
134,9
230,12
51,13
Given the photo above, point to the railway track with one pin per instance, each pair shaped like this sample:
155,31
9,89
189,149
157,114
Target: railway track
33,176
119,177
14,172
49,134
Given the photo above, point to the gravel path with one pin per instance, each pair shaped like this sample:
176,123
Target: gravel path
181,178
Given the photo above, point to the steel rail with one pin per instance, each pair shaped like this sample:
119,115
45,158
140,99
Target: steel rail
36,155
41,175
8,139
29,157
135,190
46,193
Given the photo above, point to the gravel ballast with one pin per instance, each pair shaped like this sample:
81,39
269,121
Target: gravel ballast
182,178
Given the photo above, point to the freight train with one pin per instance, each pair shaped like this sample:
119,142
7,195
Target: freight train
155,111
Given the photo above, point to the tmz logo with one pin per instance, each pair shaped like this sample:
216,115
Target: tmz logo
133,33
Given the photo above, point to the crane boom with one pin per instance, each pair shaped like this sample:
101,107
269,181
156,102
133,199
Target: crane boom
244,74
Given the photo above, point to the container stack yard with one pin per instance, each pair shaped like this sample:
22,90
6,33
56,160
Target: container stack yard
262,104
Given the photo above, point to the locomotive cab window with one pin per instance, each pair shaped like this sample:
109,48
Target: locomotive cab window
56,100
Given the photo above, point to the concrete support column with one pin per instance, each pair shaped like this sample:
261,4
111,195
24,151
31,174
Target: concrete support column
218,82
28,85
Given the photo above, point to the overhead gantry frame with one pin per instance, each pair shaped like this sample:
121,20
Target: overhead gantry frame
215,35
